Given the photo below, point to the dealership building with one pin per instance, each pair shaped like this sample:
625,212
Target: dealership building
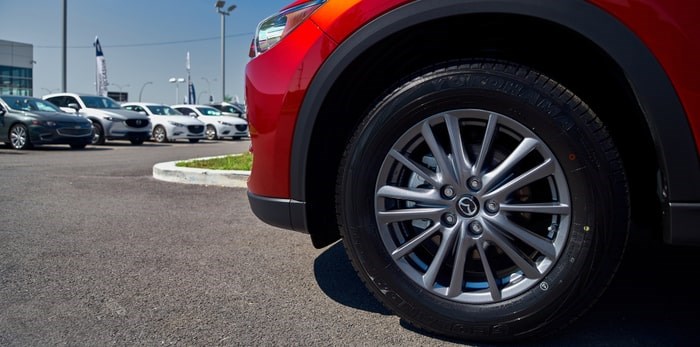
16,65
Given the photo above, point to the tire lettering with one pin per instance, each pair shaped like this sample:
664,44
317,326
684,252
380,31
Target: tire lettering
480,330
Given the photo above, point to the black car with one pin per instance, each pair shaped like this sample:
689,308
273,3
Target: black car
26,121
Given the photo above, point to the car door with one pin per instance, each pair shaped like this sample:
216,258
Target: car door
3,123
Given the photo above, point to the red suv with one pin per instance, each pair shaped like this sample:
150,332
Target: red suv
483,162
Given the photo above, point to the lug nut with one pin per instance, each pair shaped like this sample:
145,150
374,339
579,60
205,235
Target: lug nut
474,183
448,192
476,228
491,206
449,219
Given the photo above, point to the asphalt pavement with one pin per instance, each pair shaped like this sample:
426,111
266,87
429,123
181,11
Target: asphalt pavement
97,250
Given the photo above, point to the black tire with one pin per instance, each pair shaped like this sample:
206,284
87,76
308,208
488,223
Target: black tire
98,136
159,134
137,142
194,140
483,165
77,145
19,137
235,138
211,133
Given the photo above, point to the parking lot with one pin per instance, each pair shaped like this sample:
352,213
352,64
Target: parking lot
94,251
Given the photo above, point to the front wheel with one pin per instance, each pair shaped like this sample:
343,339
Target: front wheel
98,134
159,134
211,133
19,137
483,201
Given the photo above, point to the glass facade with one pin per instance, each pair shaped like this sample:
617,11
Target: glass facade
15,80
16,68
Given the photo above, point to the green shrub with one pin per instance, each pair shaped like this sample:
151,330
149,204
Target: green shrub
242,162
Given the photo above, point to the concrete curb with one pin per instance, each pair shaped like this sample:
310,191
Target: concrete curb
226,178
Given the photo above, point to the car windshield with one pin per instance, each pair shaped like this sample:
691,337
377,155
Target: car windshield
164,110
99,102
21,103
231,109
209,111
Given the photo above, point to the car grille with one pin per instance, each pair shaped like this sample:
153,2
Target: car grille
137,123
241,127
74,131
195,128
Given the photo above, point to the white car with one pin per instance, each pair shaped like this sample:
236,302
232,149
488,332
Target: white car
168,124
237,110
218,125
109,120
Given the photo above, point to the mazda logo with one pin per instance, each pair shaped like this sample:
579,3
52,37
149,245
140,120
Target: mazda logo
468,206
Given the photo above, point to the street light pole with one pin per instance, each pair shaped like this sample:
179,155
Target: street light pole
177,82
143,86
119,86
208,86
64,49
220,9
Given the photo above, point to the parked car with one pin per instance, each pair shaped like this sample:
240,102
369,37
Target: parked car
26,121
109,120
483,162
168,124
237,110
218,124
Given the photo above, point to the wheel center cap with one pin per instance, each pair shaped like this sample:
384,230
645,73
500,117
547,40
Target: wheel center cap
468,206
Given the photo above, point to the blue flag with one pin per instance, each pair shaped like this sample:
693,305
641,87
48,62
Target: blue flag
101,71
190,93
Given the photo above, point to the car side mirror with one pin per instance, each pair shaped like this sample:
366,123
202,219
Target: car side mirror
74,106
192,114
2,111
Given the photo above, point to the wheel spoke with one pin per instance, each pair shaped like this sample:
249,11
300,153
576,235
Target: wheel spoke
460,158
537,242
548,208
541,171
520,152
411,244
425,173
457,279
447,244
489,135
443,162
406,214
520,259
490,278
424,196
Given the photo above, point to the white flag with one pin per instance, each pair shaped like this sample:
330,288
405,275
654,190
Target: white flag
101,73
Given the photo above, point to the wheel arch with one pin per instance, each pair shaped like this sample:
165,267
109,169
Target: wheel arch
612,69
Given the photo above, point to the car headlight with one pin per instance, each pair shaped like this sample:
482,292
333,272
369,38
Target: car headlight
225,123
273,29
180,125
47,123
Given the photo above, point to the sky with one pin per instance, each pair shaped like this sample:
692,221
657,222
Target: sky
142,41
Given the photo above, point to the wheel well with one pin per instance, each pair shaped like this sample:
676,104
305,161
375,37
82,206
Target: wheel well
556,51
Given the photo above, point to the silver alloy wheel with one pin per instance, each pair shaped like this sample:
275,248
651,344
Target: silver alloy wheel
96,134
479,225
159,134
18,136
210,132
